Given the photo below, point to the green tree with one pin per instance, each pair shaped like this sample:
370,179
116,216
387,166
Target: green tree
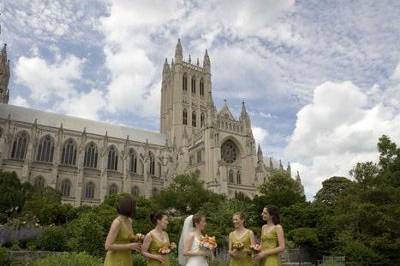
332,189
12,195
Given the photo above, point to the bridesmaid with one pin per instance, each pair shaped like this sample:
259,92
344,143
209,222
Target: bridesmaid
117,244
272,239
245,237
156,239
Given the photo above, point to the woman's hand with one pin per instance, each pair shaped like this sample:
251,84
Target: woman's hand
160,258
233,253
135,246
259,256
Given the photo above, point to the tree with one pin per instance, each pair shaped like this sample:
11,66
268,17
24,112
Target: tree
280,190
332,189
11,192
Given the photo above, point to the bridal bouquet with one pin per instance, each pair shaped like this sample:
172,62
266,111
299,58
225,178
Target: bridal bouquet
165,250
136,237
255,248
237,245
208,242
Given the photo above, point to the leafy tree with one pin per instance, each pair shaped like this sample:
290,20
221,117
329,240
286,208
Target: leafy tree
11,192
332,189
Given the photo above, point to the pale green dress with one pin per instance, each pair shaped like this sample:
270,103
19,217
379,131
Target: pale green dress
154,248
120,257
269,240
244,258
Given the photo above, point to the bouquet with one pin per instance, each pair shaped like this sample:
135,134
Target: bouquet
255,248
237,245
165,250
208,242
136,237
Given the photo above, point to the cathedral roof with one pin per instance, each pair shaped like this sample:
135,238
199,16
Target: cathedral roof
225,112
50,119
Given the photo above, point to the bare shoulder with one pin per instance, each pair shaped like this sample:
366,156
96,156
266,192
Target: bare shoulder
250,231
116,222
279,227
149,234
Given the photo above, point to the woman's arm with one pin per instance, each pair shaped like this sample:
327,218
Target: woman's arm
145,249
187,245
112,235
252,238
232,253
278,249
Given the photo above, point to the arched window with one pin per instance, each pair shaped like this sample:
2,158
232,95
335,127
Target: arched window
89,190
155,191
238,178
39,182
202,120
1,132
158,174
91,155
194,119
229,151
132,161
230,176
112,163
141,167
194,85
68,155
201,87
20,145
113,189
184,82
152,164
184,117
66,188
46,149
135,191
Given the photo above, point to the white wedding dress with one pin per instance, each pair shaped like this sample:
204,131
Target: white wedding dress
196,260
190,260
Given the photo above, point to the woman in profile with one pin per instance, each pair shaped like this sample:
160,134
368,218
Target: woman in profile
156,239
240,241
118,244
272,239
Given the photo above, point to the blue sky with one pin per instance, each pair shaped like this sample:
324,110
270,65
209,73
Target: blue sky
321,79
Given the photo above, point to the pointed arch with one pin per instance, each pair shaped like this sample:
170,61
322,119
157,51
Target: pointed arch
66,187
113,189
112,162
20,145
201,87
230,176
152,164
184,116
91,155
89,190
238,178
194,119
132,160
135,191
184,82
45,149
193,84
68,154
202,119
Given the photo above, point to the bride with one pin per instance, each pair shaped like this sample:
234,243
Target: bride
190,253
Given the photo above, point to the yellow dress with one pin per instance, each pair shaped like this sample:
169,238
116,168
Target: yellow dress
120,257
269,240
154,247
244,258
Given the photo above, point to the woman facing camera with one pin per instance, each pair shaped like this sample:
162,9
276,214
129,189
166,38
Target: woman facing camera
190,251
118,244
156,245
272,239
240,241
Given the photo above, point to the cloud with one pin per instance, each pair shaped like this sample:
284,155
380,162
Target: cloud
45,80
19,101
260,134
338,129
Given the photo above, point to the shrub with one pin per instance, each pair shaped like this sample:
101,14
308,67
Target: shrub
53,239
138,260
4,258
68,259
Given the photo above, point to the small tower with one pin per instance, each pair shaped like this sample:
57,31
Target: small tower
260,156
206,62
178,52
289,169
4,75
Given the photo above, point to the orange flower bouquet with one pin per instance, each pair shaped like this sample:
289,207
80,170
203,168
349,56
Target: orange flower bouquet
136,237
165,250
208,242
237,245
255,248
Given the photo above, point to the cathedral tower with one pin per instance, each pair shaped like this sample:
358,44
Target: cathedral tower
4,75
185,97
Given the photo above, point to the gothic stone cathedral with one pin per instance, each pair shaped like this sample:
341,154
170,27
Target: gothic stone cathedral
87,160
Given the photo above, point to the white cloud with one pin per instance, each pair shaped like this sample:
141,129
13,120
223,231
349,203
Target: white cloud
336,130
45,80
85,105
260,134
19,101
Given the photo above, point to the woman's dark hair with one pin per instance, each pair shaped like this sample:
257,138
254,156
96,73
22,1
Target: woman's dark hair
156,216
274,213
197,218
241,215
126,206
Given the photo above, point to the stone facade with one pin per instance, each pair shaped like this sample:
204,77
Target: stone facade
87,160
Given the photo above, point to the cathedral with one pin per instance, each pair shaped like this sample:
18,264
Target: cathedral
87,160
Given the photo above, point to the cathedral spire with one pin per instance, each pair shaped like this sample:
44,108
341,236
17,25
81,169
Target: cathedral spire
166,67
243,113
260,156
206,62
289,169
178,52
4,75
